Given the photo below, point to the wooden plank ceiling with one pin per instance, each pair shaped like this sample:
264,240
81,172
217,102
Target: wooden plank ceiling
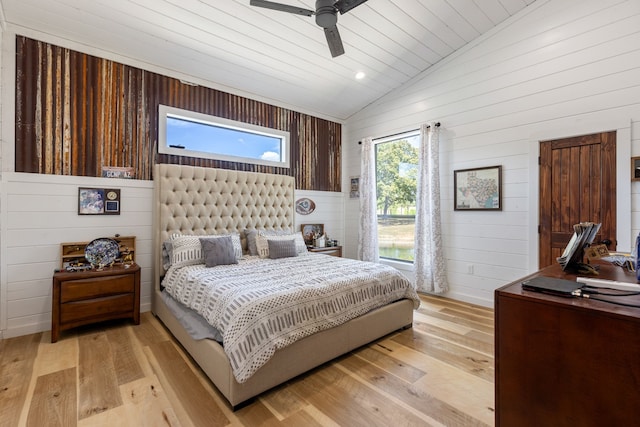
263,54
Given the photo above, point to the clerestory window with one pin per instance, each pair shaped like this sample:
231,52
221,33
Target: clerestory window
188,133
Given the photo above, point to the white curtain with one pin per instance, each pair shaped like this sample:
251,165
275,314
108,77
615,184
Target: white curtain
429,258
368,236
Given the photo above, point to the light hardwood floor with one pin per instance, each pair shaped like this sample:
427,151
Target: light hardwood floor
440,372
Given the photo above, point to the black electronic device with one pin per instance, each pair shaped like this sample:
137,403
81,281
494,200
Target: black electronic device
553,286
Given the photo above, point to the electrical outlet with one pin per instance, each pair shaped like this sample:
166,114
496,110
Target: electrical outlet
470,268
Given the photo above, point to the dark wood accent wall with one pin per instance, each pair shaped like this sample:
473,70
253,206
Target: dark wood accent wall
76,113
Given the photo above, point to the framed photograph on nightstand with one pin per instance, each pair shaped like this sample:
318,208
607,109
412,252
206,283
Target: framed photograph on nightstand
635,169
309,230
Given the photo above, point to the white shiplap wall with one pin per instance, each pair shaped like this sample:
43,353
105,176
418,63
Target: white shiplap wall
329,211
558,68
40,212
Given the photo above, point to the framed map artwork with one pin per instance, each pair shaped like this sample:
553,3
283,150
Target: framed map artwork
478,189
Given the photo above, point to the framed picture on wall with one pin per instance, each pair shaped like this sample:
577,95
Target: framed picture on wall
635,169
354,187
98,201
478,189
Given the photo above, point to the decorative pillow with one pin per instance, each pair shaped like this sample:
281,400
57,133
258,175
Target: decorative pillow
237,244
187,249
218,251
251,237
263,246
251,241
282,248
301,245
167,249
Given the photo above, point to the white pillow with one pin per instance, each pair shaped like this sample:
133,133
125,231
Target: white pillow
187,249
262,243
252,233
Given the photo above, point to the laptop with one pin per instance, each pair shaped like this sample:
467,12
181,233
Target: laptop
553,286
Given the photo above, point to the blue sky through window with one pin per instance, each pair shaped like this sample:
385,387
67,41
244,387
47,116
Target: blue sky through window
209,138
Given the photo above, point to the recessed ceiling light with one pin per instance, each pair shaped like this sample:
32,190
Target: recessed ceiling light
360,75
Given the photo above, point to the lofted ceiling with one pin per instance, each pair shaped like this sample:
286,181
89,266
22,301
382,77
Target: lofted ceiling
265,54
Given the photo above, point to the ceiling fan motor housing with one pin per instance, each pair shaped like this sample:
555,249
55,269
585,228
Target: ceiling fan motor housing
326,14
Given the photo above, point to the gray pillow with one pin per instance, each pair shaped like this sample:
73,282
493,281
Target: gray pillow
251,234
251,241
282,248
218,251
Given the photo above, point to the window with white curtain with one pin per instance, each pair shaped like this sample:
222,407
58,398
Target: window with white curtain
396,182
188,133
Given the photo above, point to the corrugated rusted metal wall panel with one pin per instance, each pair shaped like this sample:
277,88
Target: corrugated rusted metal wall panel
76,113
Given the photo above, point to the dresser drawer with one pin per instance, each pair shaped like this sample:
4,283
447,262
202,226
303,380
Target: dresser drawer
96,308
81,289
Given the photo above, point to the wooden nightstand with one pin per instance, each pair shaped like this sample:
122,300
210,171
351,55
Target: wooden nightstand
329,250
81,298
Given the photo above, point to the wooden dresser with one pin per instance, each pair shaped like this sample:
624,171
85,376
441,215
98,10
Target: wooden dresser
566,361
81,298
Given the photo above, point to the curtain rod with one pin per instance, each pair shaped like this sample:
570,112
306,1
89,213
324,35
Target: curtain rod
402,133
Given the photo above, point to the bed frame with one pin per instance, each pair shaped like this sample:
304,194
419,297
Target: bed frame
195,200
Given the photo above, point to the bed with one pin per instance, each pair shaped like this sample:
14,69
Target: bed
195,201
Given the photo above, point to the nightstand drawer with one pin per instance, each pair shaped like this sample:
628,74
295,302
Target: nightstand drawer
85,297
328,250
82,289
96,308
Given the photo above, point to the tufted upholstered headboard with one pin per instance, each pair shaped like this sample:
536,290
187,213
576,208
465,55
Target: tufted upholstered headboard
196,200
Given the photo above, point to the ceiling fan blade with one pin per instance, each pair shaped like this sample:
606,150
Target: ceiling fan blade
334,41
344,6
282,7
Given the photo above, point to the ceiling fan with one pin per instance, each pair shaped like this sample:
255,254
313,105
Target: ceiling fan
326,17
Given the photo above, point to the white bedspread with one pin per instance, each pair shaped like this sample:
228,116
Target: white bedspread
261,305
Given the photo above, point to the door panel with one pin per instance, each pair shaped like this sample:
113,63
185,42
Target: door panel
577,184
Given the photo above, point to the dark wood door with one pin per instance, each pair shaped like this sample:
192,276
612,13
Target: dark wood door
577,184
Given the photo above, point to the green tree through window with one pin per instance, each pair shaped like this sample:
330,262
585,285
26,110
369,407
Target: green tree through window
396,181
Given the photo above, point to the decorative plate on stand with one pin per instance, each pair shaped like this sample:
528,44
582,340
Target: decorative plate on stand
102,252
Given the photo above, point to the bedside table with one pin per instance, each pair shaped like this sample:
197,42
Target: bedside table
329,250
81,298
